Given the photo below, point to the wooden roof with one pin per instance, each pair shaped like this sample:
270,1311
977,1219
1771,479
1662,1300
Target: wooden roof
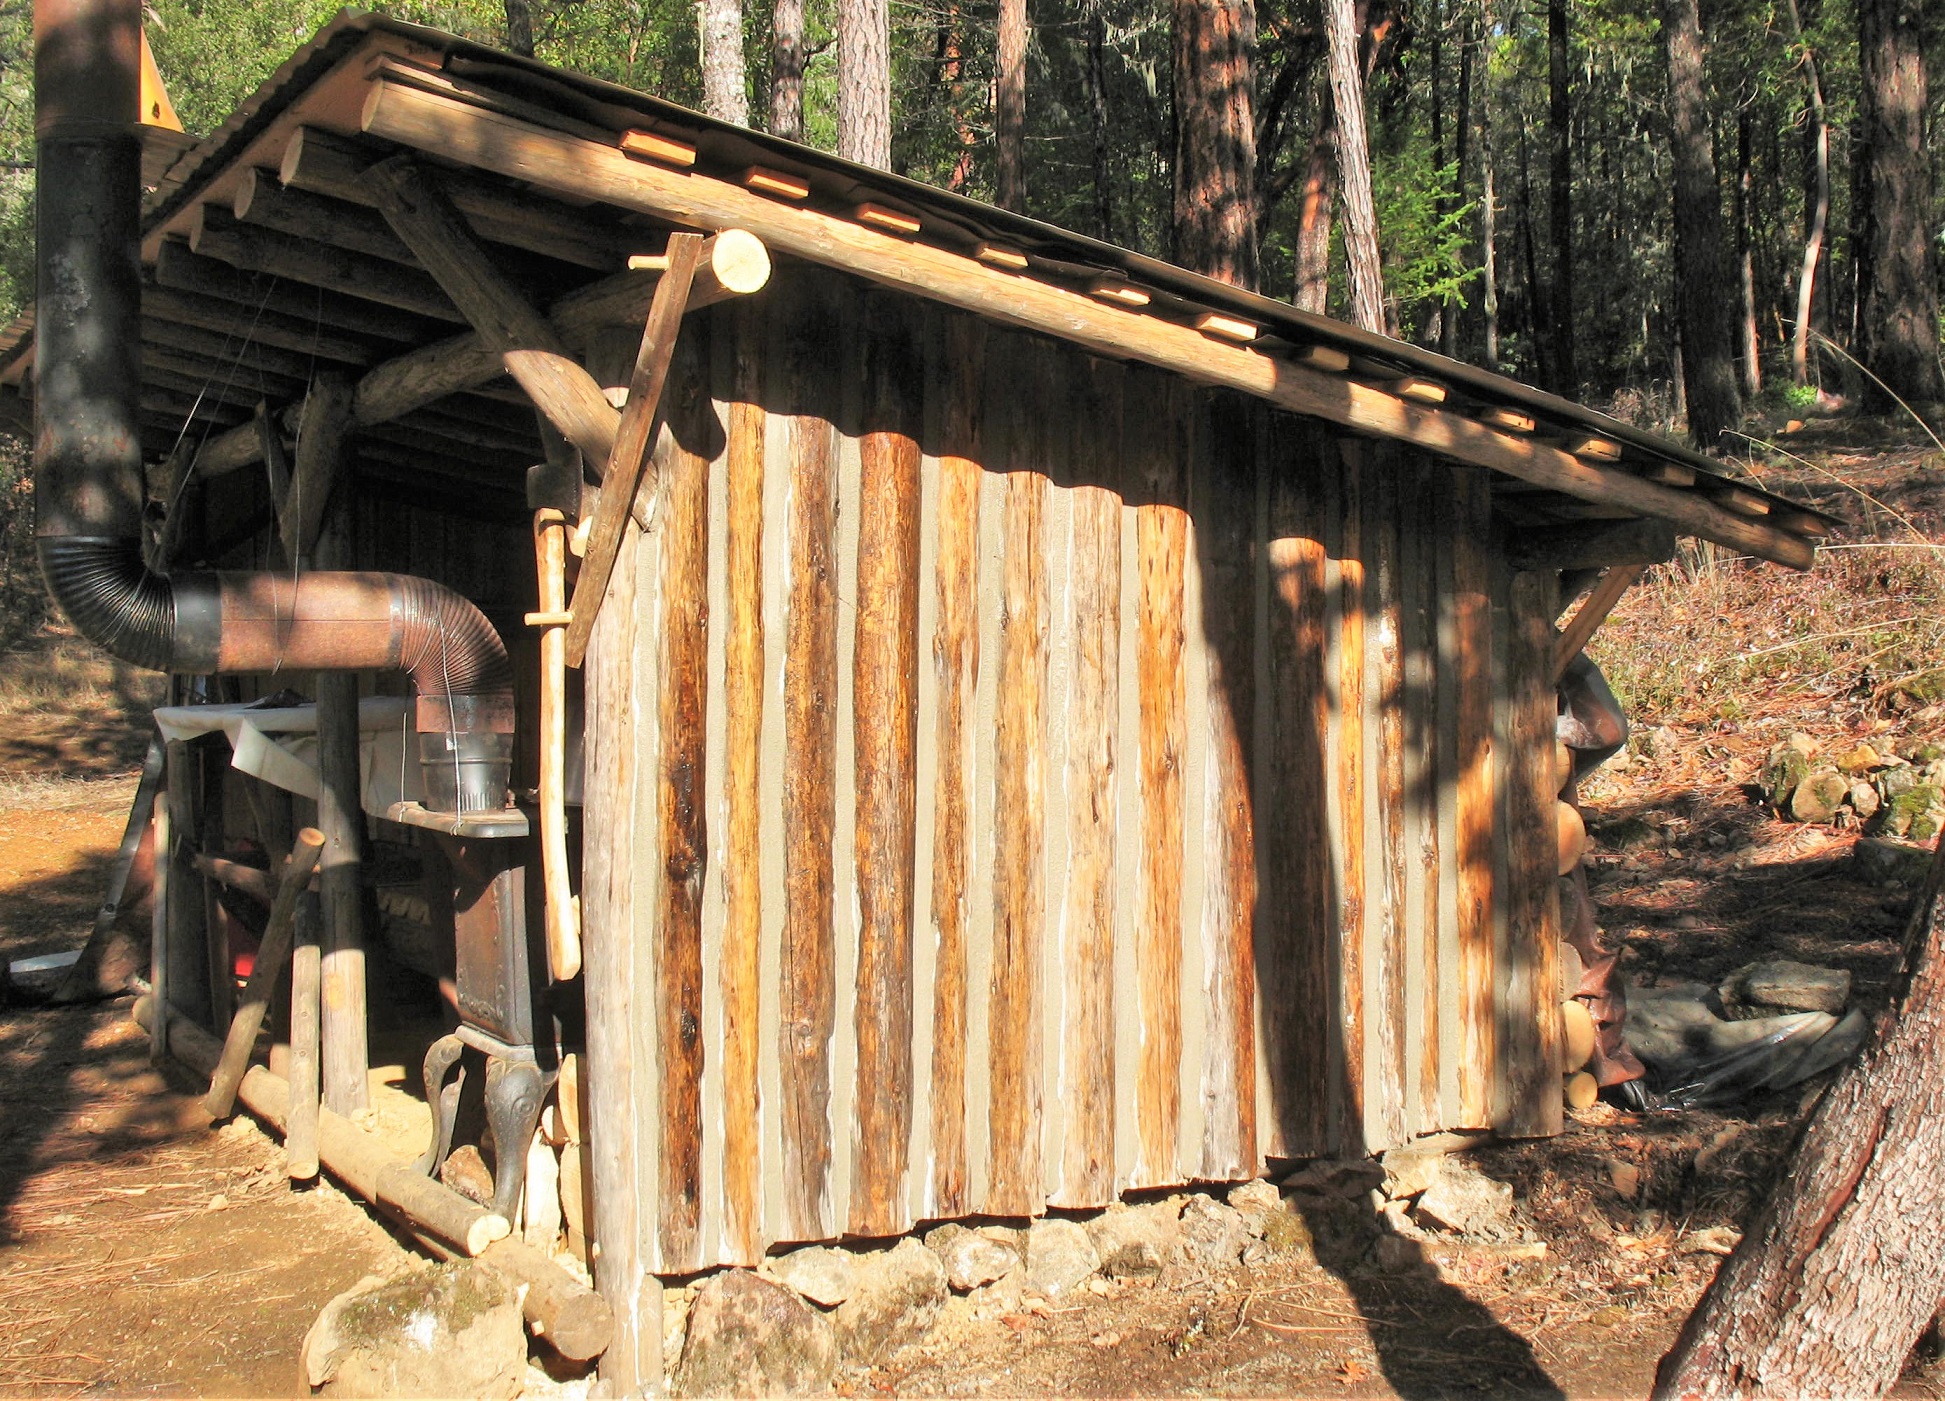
260,237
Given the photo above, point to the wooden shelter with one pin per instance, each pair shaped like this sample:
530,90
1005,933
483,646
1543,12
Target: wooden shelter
1054,724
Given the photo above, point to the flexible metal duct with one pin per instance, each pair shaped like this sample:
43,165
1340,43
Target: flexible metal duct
88,455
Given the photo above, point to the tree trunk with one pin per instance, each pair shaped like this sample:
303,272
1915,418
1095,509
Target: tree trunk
1536,318
1312,292
1752,367
787,69
1010,105
1705,290
1461,152
1897,317
1488,229
1215,138
1816,214
1354,167
864,82
1560,221
1097,94
1841,1271
724,93
520,28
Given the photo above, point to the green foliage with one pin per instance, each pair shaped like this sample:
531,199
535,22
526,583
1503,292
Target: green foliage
1422,246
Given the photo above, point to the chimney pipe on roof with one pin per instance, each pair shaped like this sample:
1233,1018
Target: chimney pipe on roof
88,452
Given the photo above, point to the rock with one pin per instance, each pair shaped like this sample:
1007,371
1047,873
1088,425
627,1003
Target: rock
1136,1242
1004,1295
1864,800
1818,797
1803,745
898,1294
1286,1233
1255,1199
1894,781
1785,768
1860,760
970,1259
1059,1256
747,1336
444,1330
1409,1170
1326,1177
1915,813
1881,859
1464,1200
1794,987
819,1273
1213,1235
1625,1178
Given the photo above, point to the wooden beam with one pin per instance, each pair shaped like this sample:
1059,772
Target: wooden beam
621,482
270,443
1595,544
320,163
260,203
181,269
309,338
308,263
1615,582
320,462
571,166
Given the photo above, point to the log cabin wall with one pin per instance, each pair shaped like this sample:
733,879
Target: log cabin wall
1051,778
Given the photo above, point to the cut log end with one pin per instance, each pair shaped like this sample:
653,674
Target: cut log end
740,261
1576,1035
1581,1090
484,1231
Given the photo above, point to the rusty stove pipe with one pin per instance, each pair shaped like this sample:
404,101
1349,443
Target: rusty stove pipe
88,455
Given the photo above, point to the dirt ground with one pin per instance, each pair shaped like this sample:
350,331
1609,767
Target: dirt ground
143,1252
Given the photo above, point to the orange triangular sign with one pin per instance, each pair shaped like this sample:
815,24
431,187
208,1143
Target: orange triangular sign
157,110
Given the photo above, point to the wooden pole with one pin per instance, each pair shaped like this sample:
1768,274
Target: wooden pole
106,963
182,902
306,996
582,168
271,953
1616,581
562,915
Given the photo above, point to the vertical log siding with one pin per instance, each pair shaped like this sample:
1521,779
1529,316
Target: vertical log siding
1059,780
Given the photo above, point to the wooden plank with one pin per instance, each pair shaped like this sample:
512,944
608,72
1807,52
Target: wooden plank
1158,473
554,160
1419,526
1593,545
1297,915
1617,580
1352,795
681,814
1477,972
742,842
958,381
1019,894
807,333
1090,721
885,742
1388,917
1528,1102
1224,503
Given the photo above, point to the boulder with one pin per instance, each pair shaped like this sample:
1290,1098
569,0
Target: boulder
970,1258
1409,1170
898,1295
1881,859
1059,1256
1793,987
747,1336
1255,1199
1860,760
1819,796
444,1330
1464,1200
1136,1242
1916,813
1213,1235
1864,800
1786,767
819,1273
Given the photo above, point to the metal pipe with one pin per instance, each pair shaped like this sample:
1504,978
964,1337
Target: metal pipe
88,454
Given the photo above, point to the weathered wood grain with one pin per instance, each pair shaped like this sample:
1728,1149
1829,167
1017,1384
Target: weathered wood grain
1477,825
807,998
1224,495
885,742
1387,924
1019,815
1090,720
681,813
1352,794
958,381
1159,475
1419,526
1529,1004
742,852
1297,915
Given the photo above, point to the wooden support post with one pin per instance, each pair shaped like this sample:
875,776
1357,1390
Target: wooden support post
271,953
629,459
320,463
187,972
562,915
1615,582
107,960
306,996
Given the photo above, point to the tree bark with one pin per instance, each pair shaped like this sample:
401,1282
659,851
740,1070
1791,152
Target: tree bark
1354,167
1897,315
520,27
725,94
1461,158
1705,289
1097,94
1536,317
864,82
1312,291
1010,106
1816,214
1841,1271
1215,138
1751,342
1488,230
1560,221
787,69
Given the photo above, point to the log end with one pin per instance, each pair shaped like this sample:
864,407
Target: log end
485,1230
740,261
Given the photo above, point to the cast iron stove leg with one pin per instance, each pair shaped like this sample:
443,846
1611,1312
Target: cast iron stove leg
514,1090
442,1099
